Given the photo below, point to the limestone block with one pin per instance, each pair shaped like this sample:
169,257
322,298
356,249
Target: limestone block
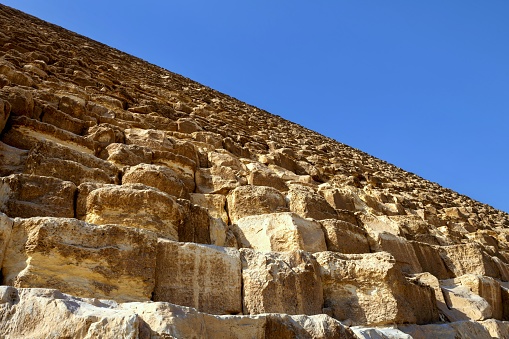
496,328
39,164
160,177
135,205
266,177
375,225
5,110
47,313
72,105
432,281
6,224
504,292
467,304
187,125
369,289
86,260
339,199
280,232
25,196
308,204
25,133
344,237
401,250
12,160
122,155
150,138
468,259
20,100
82,195
223,158
214,140
55,117
214,203
217,180
454,330
105,134
207,278
281,283
430,259
196,224
182,165
253,200
487,288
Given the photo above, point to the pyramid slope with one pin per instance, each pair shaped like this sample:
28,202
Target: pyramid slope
122,181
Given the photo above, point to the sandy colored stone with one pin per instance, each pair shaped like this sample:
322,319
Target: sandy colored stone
5,110
34,313
469,306
25,196
344,237
12,160
55,117
122,155
6,224
468,259
430,260
207,278
455,330
217,180
369,289
160,177
308,204
182,165
86,260
214,203
280,232
196,224
281,283
254,200
401,250
135,205
20,100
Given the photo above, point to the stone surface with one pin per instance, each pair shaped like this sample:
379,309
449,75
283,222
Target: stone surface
135,206
82,259
207,278
368,289
252,200
280,283
90,133
27,196
344,237
280,232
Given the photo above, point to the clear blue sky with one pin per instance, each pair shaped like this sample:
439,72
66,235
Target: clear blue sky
421,84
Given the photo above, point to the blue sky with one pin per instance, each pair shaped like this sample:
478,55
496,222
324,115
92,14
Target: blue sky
421,84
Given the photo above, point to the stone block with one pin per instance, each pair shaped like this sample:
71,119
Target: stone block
78,258
27,196
196,224
430,259
369,289
253,200
160,177
207,278
344,237
468,259
136,205
401,250
280,232
281,283
309,204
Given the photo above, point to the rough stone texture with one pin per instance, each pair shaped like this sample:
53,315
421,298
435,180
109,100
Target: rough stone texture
135,206
27,196
251,200
280,232
160,177
207,278
149,149
368,289
281,283
82,259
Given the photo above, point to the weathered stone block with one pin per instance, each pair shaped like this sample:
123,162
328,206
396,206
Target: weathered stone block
82,259
27,196
135,205
401,250
430,259
160,177
205,277
280,232
308,204
281,283
344,237
369,289
468,259
253,200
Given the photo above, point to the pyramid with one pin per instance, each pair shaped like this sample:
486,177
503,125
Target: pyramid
137,203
